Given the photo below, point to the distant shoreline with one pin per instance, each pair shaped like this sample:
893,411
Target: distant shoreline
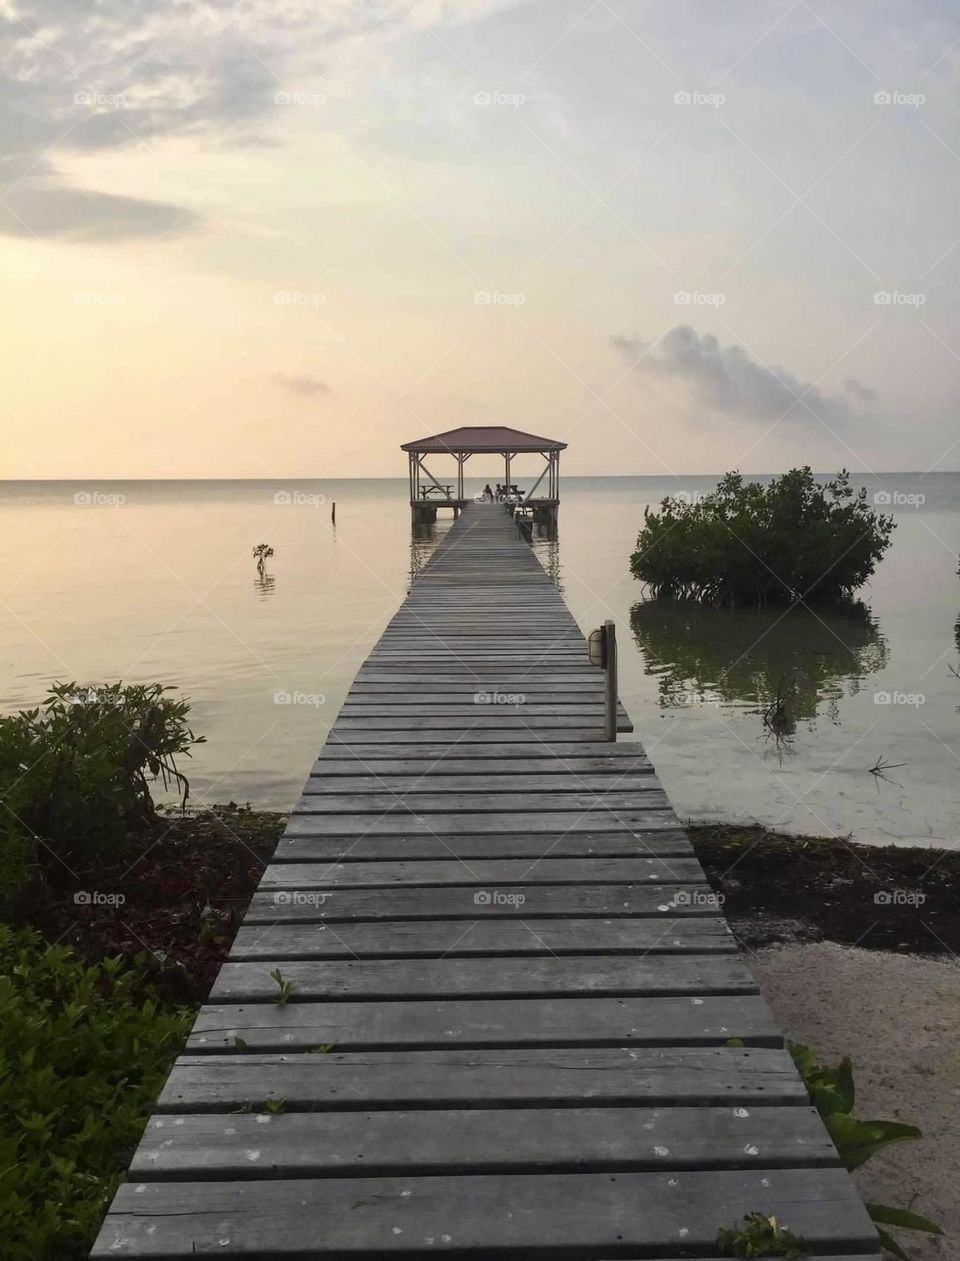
84,479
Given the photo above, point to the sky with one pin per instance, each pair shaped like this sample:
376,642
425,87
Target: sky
252,239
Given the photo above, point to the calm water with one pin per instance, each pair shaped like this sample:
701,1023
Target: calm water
155,581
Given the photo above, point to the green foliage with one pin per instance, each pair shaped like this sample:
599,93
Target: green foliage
746,543
75,771
83,1054
760,1236
833,1093
286,988
882,1215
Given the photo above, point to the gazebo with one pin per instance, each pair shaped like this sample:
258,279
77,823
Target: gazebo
427,493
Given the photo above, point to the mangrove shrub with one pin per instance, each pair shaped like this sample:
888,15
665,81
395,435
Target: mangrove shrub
75,772
795,539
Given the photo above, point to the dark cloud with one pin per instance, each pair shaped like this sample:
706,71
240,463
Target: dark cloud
728,378
47,207
861,392
76,78
83,78
300,383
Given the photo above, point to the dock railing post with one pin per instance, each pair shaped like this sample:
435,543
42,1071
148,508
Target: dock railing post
602,647
610,680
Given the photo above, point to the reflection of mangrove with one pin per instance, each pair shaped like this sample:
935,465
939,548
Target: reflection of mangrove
264,584
781,664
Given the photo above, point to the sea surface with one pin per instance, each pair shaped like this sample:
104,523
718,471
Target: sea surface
145,581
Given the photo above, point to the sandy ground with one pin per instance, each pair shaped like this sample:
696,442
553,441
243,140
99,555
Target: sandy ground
898,1018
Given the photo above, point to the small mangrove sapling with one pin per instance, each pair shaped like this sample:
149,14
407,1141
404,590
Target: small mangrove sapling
261,554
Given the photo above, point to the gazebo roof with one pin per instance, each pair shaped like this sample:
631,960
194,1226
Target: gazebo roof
475,439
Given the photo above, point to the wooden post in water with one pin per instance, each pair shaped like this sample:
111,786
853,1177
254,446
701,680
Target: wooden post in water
333,513
610,680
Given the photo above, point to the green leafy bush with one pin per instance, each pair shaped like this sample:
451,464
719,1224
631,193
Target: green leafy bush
795,539
833,1093
75,771
83,1054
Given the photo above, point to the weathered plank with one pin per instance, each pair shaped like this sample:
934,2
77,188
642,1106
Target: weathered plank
502,1078
480,871
540,977
545,1140
670,903
437,781
449,763
557,1216
458,939
436,823
556,754
296,847
362,1026
514,803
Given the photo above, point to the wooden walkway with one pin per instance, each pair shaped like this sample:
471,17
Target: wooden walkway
509,1036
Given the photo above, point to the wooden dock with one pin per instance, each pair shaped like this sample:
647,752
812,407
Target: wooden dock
515,997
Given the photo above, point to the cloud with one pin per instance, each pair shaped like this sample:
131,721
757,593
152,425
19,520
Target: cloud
300,383
728,378
48,207
861,392
80,78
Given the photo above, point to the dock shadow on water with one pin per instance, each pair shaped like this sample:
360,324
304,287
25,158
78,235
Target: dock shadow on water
789,667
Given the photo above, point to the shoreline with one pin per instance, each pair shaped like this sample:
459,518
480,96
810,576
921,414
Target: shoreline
782,889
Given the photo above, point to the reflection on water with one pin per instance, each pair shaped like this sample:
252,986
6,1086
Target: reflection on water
782,666
264,584
546,544
424,537
232,650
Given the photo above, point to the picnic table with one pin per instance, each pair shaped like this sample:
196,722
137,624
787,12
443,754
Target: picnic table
445,492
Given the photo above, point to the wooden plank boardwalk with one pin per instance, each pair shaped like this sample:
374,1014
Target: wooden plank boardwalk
515,996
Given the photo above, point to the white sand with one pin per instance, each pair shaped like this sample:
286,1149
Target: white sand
898,1018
